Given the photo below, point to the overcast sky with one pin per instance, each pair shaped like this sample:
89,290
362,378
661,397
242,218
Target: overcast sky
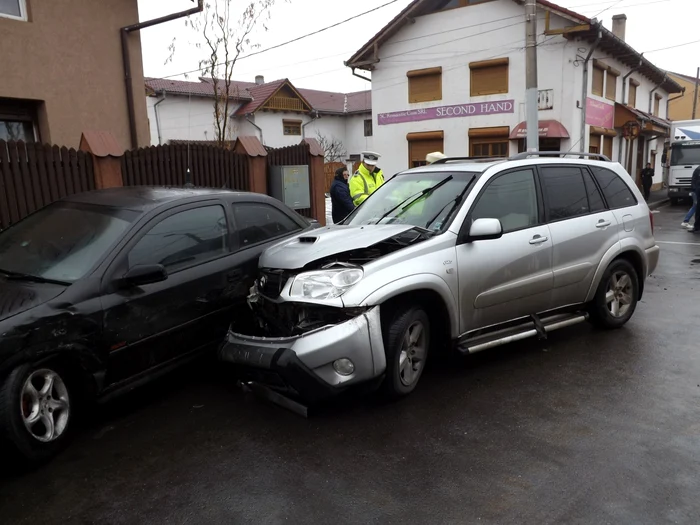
317,62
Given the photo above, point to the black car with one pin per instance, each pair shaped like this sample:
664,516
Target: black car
102,291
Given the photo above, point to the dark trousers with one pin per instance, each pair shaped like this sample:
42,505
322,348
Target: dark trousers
697,213
646,185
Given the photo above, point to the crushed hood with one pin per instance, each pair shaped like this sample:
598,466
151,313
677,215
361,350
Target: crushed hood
296,252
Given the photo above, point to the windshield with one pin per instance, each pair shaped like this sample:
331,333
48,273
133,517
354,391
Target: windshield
403,199
685,155
62,241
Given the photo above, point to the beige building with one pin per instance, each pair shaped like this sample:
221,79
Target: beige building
681,108
62,71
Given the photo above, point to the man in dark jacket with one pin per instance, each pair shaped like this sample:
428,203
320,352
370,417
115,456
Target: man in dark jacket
647,180
695,187
340,196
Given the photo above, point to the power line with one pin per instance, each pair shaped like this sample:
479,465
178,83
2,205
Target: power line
277,46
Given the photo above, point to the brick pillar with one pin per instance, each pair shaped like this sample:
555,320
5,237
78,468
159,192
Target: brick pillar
257,162
106,158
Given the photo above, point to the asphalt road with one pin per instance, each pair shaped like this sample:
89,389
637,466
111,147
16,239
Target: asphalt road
593,427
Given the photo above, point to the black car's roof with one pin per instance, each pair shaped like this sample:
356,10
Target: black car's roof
143,198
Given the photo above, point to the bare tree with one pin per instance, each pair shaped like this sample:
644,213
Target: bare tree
224,40
333,148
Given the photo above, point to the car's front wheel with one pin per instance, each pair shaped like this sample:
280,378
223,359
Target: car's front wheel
617,295
407,344
36,411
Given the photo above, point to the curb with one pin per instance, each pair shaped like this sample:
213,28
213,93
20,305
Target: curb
658,204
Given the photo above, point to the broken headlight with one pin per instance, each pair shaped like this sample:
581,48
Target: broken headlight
325,284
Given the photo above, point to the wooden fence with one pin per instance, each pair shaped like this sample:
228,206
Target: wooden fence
167,165
34,175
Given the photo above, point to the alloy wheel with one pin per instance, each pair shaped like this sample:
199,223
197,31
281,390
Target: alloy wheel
413,352
619,294
45,405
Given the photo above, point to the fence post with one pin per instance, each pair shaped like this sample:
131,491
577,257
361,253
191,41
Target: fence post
317,180
106,158
257,162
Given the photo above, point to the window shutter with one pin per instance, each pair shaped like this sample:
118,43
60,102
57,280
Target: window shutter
598,79
489,77
595,144
608,147
611,87
420,144
425,85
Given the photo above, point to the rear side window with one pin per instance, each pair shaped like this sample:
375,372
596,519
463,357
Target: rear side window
565,192
616,192
258,222
595,199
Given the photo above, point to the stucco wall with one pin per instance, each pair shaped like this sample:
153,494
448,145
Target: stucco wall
68,56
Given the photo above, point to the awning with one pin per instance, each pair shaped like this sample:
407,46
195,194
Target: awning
550,129
647,122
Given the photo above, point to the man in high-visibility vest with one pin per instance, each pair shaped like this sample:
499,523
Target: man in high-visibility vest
366,179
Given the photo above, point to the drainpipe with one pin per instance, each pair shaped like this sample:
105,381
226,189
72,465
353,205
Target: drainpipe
584,95
247,117
360,76
625,96
651,93
314,117
155,110
624,79
127,61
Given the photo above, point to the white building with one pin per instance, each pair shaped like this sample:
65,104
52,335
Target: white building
276,112
449,75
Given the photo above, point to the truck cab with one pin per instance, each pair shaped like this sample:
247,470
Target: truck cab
683,159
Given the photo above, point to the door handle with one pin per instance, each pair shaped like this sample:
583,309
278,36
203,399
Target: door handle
603,224
538,239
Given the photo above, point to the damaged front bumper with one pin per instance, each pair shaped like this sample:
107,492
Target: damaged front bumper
303,366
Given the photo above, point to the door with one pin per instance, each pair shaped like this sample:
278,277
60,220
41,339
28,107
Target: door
582,229
510,277
149,325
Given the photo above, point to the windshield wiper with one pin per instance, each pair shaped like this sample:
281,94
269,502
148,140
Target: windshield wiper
455,202
18,276
416,196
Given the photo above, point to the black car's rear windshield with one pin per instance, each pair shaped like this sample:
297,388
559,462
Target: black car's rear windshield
62,241
400,200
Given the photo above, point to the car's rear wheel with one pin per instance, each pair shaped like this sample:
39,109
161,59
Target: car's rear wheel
407,345
617,295
36,410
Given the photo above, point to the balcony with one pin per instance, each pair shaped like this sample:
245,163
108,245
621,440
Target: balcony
285,104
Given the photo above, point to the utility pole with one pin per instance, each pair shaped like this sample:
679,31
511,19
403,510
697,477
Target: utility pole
533,135
695,93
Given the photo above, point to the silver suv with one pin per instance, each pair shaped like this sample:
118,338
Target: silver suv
461,255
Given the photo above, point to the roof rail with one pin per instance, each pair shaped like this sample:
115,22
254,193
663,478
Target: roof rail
527,154
445,160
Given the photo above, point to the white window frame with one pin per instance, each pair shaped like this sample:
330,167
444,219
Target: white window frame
22,10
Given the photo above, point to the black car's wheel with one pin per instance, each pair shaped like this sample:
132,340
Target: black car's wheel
407,344
36,411
616,297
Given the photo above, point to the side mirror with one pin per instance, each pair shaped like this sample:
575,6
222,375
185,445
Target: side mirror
142,274
485,229
664,159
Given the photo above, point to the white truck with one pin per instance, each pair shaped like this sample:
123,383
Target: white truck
682,158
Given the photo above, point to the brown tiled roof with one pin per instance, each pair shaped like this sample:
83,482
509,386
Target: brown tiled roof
338,103
256,95
237,90
621,50
252,146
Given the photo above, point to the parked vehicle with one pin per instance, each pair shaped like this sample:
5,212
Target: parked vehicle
684,158
461,254
105,290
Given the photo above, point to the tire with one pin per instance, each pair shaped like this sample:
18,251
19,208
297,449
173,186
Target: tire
613,311
36,415
405,361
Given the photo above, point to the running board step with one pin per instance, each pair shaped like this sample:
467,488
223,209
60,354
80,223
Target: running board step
532,328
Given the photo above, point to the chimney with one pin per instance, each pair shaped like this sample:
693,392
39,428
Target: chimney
259,80
619,24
